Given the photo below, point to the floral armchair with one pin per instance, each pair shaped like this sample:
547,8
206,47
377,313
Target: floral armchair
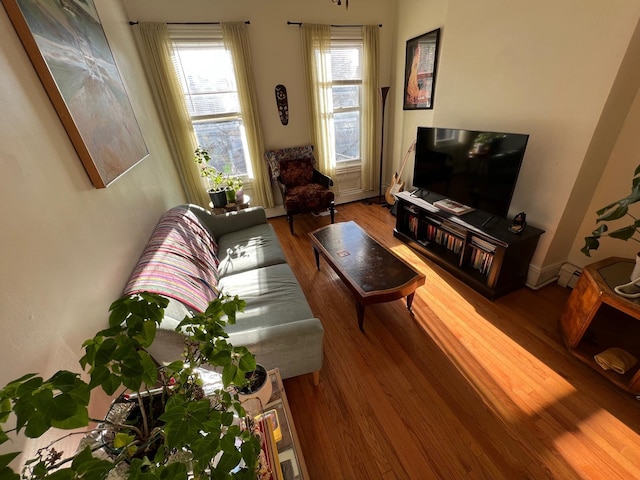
304,189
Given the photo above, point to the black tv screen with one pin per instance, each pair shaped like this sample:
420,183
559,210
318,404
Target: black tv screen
478,169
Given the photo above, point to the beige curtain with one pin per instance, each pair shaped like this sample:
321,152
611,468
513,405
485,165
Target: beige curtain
371,101
316,42
155,45
237,42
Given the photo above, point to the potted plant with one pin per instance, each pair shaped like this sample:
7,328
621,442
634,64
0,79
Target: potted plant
610,213
615,211
257,385
215,178
191,432
234,185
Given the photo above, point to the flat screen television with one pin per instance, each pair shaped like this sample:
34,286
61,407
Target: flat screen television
478,169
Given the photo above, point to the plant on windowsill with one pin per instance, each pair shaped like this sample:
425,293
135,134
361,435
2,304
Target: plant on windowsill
215,178
234,185
179,432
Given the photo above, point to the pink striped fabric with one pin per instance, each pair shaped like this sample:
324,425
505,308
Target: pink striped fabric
180,261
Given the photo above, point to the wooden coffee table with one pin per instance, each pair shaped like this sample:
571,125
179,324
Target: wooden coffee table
369,270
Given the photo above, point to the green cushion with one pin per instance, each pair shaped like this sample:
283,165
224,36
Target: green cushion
248,249
273,297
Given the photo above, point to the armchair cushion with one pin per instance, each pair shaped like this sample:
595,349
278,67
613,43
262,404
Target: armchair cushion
305,198
296,172
274,157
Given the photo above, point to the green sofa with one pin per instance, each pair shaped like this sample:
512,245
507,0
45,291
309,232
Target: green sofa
193,254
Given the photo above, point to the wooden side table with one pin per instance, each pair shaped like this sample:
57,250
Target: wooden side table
596,318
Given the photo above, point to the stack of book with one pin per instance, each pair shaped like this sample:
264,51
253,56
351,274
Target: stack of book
267,425
452,207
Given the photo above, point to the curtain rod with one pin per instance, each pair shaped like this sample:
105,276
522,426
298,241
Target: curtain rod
300,24
191,23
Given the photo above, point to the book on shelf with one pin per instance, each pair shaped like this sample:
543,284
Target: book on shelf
452,207
481,261
483,244
447,240
413,224
269,460
275,423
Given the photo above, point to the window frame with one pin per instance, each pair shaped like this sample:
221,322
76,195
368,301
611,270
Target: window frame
345,38
180,39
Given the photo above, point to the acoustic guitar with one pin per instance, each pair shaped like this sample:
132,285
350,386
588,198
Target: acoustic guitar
397,185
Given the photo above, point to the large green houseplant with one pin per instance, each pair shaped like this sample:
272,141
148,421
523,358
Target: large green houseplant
612,212
189,436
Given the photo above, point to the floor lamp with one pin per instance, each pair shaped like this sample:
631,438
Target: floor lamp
380,198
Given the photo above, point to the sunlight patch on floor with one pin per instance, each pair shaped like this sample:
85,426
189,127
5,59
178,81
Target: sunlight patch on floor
513,380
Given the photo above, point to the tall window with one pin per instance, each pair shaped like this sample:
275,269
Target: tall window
341,71
346,90
205,70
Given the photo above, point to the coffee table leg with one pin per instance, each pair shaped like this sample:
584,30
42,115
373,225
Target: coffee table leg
410,301
317,254
360,312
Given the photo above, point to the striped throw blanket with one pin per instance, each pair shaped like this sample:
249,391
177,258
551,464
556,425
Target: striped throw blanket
180,261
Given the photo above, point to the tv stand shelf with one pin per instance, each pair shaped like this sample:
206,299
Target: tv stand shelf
476,247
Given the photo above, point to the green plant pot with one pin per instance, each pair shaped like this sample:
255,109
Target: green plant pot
231,196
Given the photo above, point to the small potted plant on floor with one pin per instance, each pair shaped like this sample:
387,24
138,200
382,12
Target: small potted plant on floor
216,180
178,429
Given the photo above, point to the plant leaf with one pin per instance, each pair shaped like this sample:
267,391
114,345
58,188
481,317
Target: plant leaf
7,474
624,233
617,211
7,458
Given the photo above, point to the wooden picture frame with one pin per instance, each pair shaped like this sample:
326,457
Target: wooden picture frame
69,50
421,64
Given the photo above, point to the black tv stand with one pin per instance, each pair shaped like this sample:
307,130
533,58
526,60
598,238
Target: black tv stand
476,247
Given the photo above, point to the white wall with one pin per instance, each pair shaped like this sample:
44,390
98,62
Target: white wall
543,68
614,184
67,248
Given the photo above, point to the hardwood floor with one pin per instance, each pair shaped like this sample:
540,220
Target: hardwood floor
467,388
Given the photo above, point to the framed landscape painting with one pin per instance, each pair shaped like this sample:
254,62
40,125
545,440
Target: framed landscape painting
69,50
420,71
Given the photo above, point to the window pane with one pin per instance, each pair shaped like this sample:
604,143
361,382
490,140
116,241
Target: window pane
224,142
346,62
213,104
347,128
207,78
346,96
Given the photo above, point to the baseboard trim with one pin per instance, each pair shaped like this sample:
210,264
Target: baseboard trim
540,277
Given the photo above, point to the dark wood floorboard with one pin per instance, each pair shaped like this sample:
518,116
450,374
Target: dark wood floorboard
466,388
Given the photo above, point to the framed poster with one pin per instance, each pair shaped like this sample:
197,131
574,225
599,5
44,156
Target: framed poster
68,48
420,71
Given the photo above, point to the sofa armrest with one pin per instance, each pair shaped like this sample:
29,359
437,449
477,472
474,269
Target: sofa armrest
296,348
219,225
